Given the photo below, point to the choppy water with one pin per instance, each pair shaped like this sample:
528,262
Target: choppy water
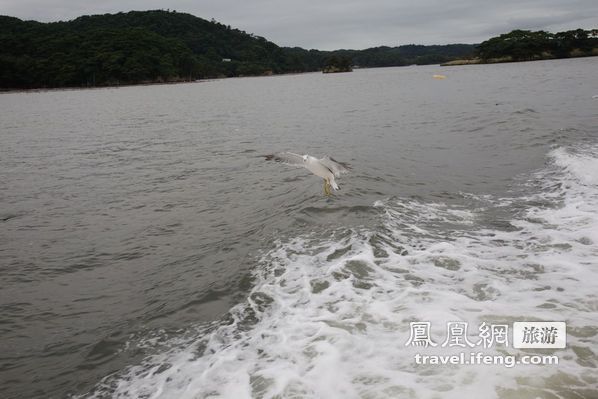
146,250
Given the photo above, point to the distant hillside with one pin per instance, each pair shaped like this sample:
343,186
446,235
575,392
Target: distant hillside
407,55
160,46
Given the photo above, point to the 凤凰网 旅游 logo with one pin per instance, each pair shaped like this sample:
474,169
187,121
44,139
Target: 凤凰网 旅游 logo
536,334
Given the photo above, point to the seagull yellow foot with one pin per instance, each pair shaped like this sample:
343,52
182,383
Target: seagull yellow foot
327,191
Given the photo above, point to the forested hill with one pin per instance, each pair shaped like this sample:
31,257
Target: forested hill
129,47
155,46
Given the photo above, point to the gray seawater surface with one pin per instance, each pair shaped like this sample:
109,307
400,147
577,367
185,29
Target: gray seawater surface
130,215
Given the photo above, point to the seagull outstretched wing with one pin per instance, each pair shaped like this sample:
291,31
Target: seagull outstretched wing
335,166
289,158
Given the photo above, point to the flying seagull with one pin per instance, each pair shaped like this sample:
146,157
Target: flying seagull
327,168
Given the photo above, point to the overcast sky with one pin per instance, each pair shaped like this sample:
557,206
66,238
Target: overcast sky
356,24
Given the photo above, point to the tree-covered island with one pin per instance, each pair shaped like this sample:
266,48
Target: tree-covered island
337,64
525,45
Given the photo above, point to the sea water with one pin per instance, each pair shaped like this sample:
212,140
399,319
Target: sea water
149,251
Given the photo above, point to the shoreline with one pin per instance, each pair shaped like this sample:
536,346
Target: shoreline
508,59
458,62
69,88
156,83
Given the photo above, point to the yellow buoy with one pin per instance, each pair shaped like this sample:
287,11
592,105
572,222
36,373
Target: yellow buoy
439,76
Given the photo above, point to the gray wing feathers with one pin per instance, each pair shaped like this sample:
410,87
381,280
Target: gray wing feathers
289,158
335,166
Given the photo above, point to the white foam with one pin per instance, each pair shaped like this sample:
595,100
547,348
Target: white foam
329,319
580,163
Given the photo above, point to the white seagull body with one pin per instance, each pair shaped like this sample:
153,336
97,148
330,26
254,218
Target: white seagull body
327,168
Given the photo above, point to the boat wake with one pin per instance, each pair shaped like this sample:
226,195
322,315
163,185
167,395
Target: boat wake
329,318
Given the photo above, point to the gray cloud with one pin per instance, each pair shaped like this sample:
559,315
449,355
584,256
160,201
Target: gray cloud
334,24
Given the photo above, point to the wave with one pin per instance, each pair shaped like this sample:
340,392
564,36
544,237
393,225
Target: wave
329,318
